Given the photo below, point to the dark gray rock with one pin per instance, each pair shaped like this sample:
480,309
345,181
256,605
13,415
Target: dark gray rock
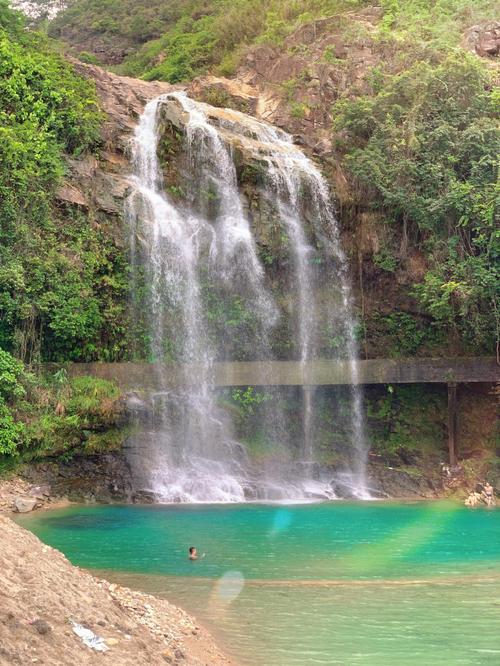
41,626
98,478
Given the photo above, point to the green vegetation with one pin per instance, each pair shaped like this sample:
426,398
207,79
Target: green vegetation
407,424
248,400
183,38
54,417
417,140
425,147
11,388
63,280
401,334
436,23
421,144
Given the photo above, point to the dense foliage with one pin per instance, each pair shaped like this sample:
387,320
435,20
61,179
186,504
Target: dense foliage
53,416
424,147
60,276
177,40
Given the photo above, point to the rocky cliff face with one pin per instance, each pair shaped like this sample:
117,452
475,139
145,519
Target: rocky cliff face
99,185
294,87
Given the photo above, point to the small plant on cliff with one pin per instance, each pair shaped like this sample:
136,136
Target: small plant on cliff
299,110
248,400
385,260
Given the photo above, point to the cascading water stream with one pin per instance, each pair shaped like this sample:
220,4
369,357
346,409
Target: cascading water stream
291,173
173,243
233,254
189,450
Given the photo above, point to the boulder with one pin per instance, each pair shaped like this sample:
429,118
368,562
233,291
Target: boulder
40,492
484,39
224,93
24,504
41,626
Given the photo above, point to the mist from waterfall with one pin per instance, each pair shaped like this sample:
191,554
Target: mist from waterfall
185,448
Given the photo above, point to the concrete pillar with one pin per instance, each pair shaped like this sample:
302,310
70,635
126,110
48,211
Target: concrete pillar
452,422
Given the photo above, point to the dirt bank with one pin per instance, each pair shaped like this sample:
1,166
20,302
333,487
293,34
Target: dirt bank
41,593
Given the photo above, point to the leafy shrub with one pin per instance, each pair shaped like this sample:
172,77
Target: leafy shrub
11,432
248,400
88,58
42,417
11,372
385,260
299,110
11,391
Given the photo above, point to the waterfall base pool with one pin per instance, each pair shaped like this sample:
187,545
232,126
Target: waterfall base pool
374,584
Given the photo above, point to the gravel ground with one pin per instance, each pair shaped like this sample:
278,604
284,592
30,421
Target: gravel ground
41,594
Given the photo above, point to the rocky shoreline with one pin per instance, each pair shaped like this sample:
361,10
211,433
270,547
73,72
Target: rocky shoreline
47,605
107,478
42,594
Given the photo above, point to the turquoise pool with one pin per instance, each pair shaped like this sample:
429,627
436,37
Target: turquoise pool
371,583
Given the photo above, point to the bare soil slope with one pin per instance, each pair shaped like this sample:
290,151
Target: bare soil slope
41,592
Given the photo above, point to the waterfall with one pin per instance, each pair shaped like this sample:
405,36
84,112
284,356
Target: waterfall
198,253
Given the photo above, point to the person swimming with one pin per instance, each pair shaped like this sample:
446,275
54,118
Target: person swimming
193,554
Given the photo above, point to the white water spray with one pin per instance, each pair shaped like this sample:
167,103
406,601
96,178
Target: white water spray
187,450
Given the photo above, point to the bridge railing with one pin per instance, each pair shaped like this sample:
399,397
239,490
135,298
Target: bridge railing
321,372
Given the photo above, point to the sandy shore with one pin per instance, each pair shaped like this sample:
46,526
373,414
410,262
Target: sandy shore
42,593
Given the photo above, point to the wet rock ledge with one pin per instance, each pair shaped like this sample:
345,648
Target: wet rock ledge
103,478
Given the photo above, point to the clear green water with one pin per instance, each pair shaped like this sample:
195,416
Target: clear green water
374,584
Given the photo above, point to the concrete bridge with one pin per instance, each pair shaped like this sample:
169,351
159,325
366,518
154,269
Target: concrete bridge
449,371
323,372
